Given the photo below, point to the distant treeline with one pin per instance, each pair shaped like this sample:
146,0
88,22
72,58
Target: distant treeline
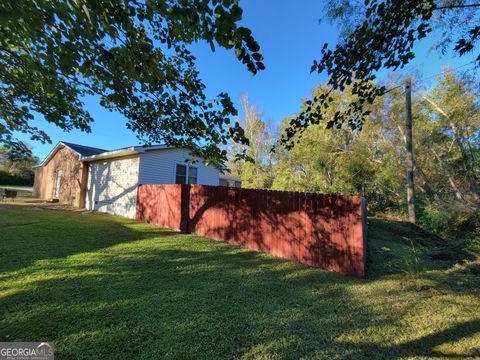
14,171
9,179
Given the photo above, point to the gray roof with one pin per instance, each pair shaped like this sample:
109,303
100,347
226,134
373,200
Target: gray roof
84,150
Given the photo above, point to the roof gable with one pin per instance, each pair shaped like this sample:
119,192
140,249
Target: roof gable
80,150
84,150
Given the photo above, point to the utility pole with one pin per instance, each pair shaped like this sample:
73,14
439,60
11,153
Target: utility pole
409,153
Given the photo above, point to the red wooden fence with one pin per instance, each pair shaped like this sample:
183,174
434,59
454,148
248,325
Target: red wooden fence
161,204
327,231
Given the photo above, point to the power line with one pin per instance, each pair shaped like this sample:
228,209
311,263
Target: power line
431,76
455,68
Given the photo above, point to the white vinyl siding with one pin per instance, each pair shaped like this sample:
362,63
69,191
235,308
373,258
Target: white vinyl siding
112,186
158,167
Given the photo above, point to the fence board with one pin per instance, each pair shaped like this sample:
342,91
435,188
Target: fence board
327,231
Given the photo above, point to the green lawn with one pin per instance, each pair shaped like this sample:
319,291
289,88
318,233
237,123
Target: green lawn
104,287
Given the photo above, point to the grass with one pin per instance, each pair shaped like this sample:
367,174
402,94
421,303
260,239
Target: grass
104,287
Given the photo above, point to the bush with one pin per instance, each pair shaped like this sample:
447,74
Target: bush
9,179
451,219
473,245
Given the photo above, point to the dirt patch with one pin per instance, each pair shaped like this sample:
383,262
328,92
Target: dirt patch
175,235
40,204
37,208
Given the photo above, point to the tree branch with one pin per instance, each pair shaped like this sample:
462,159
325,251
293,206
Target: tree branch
457,7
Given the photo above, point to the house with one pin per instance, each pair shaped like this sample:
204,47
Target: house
62,175
107,181
229,180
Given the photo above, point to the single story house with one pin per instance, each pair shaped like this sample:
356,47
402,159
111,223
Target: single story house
107,181
62,174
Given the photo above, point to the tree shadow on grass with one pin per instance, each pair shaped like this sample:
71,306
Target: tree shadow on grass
392,244
187,297
393,250
103,287
27,236
426,346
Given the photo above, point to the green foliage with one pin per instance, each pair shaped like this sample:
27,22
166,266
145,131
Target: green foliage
16,170
11,179
343,160
380,34
133,55
451,219
447,145
474,244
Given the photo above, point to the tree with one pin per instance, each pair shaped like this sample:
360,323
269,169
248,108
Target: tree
256,169
132,54
382,36
340,160
453,105
16,170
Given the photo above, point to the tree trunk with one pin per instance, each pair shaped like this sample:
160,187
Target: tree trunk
409,153
455,188
427,188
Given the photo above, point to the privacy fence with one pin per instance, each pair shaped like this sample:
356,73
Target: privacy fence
327,231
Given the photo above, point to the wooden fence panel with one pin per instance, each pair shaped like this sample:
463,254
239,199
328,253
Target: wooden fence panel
161,205
327,231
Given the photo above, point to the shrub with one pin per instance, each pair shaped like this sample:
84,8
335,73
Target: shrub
450,219
9,179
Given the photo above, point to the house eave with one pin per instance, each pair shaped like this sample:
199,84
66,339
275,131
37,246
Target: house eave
228,177
133,150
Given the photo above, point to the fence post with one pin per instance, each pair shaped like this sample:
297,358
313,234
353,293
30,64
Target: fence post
184,208
364,234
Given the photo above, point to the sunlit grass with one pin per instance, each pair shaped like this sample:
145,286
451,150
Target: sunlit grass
103,287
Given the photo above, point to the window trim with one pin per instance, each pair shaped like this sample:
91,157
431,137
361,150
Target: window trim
187,173
175,173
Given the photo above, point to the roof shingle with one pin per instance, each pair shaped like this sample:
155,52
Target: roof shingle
84,150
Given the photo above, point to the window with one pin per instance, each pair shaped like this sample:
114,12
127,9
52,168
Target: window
181,174
186,174
192,175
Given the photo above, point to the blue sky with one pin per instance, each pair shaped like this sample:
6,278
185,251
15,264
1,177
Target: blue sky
290,35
